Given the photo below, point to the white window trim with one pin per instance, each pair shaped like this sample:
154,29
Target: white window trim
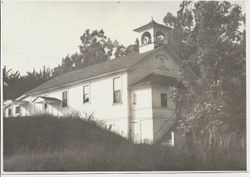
67,90
167,106
117,76
19,109
87,84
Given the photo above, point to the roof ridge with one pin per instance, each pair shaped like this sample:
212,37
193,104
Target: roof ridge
95,64
89,71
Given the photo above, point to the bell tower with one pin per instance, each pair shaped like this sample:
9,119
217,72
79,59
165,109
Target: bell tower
152,35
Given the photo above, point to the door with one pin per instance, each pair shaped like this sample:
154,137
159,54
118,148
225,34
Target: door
146,131
45,107
136,131
142,131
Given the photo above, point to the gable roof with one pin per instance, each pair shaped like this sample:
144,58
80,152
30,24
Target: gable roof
8,103
151,24
87,72
116,65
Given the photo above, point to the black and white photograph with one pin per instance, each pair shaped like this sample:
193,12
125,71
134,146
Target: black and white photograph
123,86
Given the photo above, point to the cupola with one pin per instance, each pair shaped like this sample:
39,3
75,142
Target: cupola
152,35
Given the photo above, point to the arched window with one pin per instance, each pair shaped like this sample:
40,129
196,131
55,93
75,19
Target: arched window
146,38
160,37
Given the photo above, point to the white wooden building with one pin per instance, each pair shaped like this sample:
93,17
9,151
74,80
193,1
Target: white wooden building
128,93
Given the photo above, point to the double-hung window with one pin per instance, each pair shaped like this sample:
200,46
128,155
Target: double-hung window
64,99
117,90
86,94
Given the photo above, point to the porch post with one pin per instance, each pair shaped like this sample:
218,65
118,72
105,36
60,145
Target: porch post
172,138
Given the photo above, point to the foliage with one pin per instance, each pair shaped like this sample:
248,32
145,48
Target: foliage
16,84
47,143
210,35
95,47
8,75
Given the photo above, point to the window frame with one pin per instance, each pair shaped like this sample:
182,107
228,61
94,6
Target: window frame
45,106
83,96
9,112
19,110
166,100
115,91
146,34
134,99
159,33
67,95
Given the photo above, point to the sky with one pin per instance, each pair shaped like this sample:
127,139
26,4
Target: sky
37,34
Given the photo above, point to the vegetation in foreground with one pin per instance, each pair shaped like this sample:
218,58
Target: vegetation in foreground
47,143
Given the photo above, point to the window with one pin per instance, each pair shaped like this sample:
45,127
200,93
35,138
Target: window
86,94
117,90
146,38
17,109
9,112
64,99
134,98
160,37
45,106
164,100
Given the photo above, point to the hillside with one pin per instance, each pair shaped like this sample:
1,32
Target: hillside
47,143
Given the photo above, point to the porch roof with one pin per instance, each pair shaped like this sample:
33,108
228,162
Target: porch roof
45,98
14,102
156,79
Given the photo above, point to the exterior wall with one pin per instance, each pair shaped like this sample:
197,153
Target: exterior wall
146,48
5,110
12,106
27,109
142,123
14,114
6,106
101,105
159,115
153,64
163,117
150,121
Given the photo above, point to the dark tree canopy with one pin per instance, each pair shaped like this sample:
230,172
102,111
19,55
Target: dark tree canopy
210,35
16,84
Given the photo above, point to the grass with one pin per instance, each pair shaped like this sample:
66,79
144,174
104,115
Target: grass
47,143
